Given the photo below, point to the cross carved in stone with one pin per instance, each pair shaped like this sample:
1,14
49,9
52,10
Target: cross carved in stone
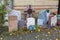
29,11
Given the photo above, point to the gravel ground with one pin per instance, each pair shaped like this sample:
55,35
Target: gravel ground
42,35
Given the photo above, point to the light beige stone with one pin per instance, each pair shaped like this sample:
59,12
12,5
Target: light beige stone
13,23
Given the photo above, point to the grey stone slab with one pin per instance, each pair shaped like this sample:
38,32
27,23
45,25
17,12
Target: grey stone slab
44,14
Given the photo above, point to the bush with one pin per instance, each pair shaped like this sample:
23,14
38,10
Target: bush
2,14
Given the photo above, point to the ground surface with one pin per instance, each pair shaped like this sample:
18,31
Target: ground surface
53,34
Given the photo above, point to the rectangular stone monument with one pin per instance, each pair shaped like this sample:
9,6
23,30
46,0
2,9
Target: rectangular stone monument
30,21
13,23
40,22
54,20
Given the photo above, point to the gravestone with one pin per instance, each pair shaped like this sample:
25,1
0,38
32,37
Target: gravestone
16,13
40,22
44,14
30,21
54,20
21,23
29,11
12,20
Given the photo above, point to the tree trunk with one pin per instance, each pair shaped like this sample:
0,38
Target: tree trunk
58,14
59,7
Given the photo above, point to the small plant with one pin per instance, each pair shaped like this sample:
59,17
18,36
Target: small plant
2,15
37,27
20,30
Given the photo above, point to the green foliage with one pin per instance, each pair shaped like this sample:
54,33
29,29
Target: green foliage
37,27
20,30
2,19
2,14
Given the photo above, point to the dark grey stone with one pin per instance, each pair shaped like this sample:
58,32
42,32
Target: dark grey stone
21,23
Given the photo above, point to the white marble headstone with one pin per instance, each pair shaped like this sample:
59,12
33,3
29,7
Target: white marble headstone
30,21
40,22
16,13
54,20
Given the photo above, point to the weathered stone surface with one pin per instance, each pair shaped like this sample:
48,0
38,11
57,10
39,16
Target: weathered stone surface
12,20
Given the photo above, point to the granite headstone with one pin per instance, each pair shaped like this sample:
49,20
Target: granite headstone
44,14
21,23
